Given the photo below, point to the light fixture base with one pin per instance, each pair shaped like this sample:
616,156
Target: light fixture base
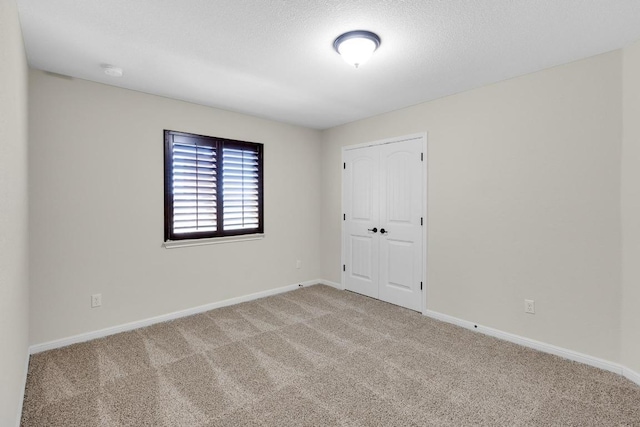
359,34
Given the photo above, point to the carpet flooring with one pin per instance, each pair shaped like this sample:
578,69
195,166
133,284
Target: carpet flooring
317,356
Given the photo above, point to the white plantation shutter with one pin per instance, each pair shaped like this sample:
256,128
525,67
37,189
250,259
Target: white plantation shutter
240,171
213,187
194,187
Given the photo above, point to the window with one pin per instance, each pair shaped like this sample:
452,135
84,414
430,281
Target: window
213,187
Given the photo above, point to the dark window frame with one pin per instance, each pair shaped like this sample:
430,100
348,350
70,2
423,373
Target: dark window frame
218,144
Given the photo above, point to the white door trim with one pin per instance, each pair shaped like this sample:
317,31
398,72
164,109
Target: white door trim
423,136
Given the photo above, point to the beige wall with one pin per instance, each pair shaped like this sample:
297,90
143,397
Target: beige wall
631,209
96,189
524,202
14,288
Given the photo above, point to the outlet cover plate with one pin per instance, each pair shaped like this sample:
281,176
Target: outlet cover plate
529,306
96,300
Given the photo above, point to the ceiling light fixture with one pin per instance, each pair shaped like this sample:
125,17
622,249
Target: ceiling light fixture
112,71
356,47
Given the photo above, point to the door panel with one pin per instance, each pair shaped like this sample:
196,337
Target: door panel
401,195
363,170
399,264
361,257
361,196
397,173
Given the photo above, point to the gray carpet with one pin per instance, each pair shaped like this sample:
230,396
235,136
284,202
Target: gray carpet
317,357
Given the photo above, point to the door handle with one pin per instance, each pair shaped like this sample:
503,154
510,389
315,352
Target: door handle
383,231
374,229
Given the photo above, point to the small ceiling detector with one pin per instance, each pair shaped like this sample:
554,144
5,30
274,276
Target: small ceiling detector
112,71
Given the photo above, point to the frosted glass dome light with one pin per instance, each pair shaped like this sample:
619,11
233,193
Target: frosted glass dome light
356,47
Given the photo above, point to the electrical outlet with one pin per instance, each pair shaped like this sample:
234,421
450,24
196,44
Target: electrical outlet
96,300
298,264
529,306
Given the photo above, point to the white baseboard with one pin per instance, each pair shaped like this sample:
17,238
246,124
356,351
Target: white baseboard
38,348
24,387
332,284
631,375
538,345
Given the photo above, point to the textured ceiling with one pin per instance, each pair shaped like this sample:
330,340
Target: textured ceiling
275,58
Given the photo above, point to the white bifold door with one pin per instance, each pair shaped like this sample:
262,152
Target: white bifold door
383,191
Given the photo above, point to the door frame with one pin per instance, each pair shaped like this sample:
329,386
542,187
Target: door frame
423,136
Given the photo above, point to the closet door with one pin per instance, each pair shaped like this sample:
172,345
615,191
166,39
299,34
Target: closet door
383,190
400,238
361,194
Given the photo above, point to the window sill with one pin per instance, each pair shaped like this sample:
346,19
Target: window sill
172,244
